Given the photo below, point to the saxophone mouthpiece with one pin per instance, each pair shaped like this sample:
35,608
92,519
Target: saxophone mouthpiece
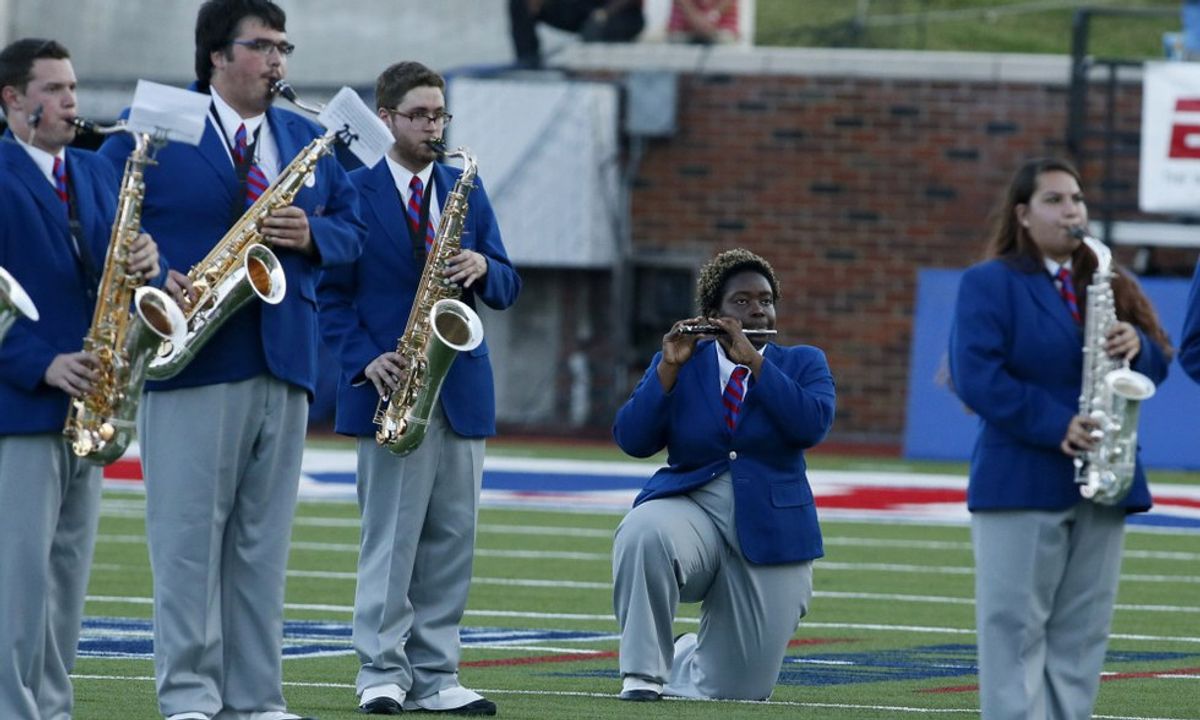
438,145
84,125
281,87
1078,232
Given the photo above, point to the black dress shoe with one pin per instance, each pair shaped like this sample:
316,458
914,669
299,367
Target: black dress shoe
640,695
381,706
482,706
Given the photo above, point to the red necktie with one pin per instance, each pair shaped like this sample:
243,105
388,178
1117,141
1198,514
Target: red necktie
256,181
1067,290
60,180
413,212
735,391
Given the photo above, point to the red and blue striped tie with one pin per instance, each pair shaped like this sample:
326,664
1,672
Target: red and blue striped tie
413,212
735,391
1067,290
256,181
60,180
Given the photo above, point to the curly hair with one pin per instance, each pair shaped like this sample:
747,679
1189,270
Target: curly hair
710,286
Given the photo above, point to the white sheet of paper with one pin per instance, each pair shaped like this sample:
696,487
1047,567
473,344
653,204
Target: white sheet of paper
370,137
174,112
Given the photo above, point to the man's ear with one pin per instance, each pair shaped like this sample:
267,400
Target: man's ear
12,99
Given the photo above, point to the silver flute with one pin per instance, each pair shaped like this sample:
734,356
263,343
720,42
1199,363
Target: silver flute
717,330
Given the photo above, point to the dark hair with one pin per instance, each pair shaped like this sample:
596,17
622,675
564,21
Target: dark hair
16,60
710,287
1011,242
217,22
395,82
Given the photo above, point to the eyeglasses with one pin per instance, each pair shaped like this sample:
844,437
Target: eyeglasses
264,47
438,118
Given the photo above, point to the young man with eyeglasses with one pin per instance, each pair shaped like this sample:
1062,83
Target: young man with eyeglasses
56,210
221,442
418,511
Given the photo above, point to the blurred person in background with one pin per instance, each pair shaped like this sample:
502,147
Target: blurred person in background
222,442
703,22
418,510
57,206
1189,343
593,20
1047,561
730,521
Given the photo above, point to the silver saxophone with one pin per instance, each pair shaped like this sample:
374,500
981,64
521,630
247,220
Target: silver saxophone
14,303
1111,392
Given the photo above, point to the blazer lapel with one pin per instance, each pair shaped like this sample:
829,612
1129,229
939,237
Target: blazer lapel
381,196
85,202
216,154
26,170
705,362
1042,290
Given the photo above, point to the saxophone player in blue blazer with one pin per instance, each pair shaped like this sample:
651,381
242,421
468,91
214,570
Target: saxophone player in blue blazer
730,521
222,441
57,205
418,511
1047,561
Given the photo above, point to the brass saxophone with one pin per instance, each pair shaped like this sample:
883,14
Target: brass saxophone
240,267
1111,393
439,327
101,424
14,303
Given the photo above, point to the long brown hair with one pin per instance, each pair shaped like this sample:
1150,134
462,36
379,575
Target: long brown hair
1008,240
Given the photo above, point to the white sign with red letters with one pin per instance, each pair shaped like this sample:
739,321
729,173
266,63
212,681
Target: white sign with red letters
1169,180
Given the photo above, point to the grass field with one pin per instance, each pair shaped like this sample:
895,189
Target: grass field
889,634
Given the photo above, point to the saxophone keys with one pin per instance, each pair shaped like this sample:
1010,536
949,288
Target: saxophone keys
106,432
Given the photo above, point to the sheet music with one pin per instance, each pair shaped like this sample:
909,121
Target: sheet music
371,138
178,114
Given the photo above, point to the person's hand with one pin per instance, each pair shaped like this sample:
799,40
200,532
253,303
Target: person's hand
738,347
1082,435
73,373
465,268
677,349
287,227
1122,340
143,257
179,286
385,372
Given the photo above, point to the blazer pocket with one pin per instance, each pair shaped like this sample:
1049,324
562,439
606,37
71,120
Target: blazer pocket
790,493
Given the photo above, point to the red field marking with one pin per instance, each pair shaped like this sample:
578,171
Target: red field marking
1103,678
885,498
583,657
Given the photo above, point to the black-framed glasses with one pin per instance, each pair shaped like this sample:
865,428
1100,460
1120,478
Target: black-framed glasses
437,118
263,46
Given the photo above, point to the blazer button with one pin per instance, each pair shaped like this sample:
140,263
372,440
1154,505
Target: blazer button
733,455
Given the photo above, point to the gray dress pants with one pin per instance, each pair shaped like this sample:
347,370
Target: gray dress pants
685,548
222,466
414,566
1045,586
49,511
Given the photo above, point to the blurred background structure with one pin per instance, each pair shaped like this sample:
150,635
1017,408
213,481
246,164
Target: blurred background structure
855,145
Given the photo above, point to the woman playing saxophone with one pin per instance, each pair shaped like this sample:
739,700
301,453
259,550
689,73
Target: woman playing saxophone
1047,560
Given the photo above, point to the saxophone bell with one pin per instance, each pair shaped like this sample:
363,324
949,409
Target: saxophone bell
14,303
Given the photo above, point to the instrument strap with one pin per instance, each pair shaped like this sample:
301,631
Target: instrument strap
83,258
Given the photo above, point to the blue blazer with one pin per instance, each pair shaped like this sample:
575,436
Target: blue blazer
35,246
1016,360
190,194
1189,346
365,305
788,409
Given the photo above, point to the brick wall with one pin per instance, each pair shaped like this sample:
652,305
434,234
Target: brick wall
848,185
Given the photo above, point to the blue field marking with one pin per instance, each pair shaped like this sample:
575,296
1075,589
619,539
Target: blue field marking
134,637
929,662
516,480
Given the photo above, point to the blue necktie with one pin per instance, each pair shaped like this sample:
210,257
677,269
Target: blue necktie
413,212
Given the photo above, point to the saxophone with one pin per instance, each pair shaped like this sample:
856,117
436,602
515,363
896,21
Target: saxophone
101,424
14,303
240,267
1111,393
439,327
